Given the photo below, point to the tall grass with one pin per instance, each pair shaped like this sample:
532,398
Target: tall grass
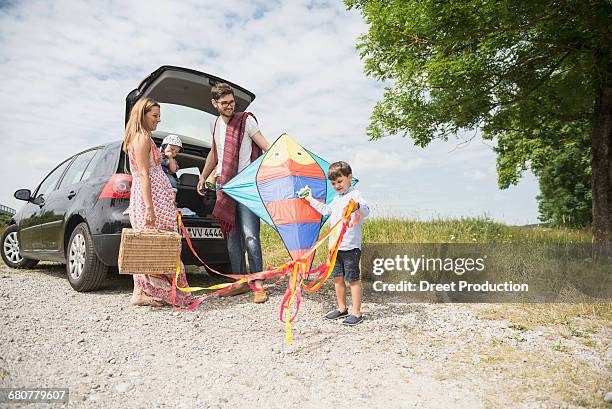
465,230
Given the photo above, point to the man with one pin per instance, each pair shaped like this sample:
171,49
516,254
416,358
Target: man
237,141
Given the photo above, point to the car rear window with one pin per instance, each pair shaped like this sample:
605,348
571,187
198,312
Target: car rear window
103,164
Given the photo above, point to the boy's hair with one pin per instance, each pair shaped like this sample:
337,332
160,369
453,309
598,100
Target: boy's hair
338,169
221,89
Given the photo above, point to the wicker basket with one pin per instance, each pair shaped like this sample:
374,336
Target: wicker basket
149,252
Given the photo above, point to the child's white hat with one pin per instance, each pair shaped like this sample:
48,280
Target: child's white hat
173,140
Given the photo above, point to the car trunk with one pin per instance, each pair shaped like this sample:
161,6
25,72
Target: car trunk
177,88
191,161
184,87
184,94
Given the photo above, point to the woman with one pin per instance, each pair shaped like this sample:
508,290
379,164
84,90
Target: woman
151,202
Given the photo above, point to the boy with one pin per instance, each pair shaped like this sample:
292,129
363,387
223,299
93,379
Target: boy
349,252
170,147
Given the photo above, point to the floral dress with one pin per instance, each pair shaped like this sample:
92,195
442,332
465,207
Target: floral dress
158,286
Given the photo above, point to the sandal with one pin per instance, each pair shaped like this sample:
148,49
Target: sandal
335,314
353,320
145,301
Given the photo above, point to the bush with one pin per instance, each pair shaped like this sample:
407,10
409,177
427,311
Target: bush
5,219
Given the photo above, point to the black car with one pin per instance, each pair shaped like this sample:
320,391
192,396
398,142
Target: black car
76,214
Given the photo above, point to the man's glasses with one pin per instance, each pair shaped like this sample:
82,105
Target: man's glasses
225,104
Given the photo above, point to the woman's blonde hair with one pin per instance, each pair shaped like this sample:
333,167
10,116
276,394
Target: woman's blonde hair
135,124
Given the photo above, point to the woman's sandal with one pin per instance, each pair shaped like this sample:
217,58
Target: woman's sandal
147,301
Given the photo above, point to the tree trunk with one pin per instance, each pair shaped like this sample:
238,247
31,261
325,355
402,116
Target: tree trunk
601,162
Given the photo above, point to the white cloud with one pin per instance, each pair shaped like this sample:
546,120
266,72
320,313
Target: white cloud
67,67
371,159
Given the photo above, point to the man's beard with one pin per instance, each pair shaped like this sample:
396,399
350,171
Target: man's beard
231,113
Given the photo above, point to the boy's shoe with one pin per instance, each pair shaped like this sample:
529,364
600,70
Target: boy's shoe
335,314
260,297
353,320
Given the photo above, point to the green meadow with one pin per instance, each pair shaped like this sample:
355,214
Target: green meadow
465,230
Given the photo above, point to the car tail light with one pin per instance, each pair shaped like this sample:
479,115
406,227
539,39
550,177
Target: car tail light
118,187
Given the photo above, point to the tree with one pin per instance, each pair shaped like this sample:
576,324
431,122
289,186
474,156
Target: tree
533,75
562,164
565,186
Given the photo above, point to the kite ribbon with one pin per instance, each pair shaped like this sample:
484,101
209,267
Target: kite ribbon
296,270
323,272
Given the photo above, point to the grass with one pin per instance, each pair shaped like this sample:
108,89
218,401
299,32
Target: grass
465,230
554,371
546,376
532,316
575,380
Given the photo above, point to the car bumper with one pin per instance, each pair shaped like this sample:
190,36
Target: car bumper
212,251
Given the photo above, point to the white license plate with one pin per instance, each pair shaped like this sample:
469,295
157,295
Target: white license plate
203,232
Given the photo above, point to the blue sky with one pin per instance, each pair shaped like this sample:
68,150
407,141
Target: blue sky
67,67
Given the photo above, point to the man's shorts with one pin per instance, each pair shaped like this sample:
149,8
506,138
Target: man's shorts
347,265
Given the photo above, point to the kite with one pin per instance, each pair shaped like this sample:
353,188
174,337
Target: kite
271,185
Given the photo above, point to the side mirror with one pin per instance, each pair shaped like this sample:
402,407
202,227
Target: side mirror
23,194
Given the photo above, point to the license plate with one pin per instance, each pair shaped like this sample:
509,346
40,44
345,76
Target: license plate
203,232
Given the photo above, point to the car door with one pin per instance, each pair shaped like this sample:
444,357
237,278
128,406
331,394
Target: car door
33,213
61,200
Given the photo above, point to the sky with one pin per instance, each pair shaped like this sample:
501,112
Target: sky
67,66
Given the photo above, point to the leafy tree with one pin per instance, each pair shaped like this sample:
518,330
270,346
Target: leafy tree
533,75
561,163
565,186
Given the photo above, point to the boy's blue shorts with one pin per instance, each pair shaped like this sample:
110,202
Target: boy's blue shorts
347,265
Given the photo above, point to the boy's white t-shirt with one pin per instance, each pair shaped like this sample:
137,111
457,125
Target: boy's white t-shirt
246,148
335,210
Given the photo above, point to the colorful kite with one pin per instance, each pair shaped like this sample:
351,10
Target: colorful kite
269,186
272,187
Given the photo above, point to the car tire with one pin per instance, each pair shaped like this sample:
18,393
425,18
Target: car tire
10,250
84,269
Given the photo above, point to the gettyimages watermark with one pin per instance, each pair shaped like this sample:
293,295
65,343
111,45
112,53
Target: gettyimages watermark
488,272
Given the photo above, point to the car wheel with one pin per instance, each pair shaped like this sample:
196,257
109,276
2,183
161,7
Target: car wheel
10,250
85,271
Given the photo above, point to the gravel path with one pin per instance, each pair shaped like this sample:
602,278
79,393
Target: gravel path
232,353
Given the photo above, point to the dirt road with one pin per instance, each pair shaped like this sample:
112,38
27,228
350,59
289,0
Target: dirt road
232,353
